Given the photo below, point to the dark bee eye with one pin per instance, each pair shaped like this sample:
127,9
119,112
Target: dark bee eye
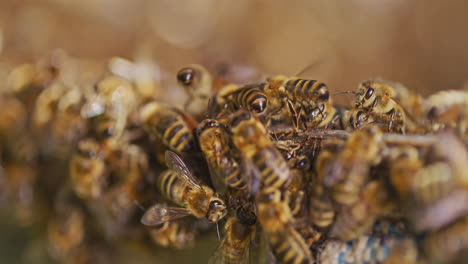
186,76
259,105
215,204
324,96
211,123
239,118
369,93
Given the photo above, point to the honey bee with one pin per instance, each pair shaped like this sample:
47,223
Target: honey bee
311,97
353,220
215,144
179,234
234,248
117,99
180,186
88,172
321,208
447,245
170,125
198,83
348,173
249,97
259,155
447,109
375,102
66,232
276,220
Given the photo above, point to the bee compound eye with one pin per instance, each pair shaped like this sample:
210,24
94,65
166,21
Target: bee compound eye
186,76
369,93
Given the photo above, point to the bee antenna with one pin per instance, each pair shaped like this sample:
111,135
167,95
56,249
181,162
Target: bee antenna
139,205
217,230
345,92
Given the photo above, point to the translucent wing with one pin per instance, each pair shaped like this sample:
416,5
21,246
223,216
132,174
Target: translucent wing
175,163
159,214
218,256
252,174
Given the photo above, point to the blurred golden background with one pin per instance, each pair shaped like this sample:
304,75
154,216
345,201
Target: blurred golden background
421,43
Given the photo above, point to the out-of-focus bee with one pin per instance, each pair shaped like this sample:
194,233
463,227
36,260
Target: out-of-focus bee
348,173
88,171
447,245
178,234
321,210
259,155
234,248
198,83
66,228
276,220
448,109
215,143
170,125
117,99
120,200
434,194
180,186
57,117
354,219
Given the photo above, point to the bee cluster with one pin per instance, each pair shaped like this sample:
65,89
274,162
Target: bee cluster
291,177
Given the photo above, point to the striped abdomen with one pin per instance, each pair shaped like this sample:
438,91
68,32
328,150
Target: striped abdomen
233,176
174,132
273,168
171,187
251,98
321,207
237,242
290,247
306,90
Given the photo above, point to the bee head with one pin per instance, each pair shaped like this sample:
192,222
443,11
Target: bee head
216,210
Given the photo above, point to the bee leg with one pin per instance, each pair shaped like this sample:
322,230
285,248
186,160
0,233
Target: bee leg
293,115
392,117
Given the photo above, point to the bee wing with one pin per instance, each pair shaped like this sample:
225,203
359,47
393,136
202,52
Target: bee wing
252,174
218,256
175,163
159,214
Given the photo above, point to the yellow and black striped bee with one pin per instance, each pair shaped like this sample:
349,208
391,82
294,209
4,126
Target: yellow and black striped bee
350,170
277,220
88,172
447,245
448,109
234,248
354,219
215,143
260,158
180,187
170,125
310,99
248,97
375,103
179,234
